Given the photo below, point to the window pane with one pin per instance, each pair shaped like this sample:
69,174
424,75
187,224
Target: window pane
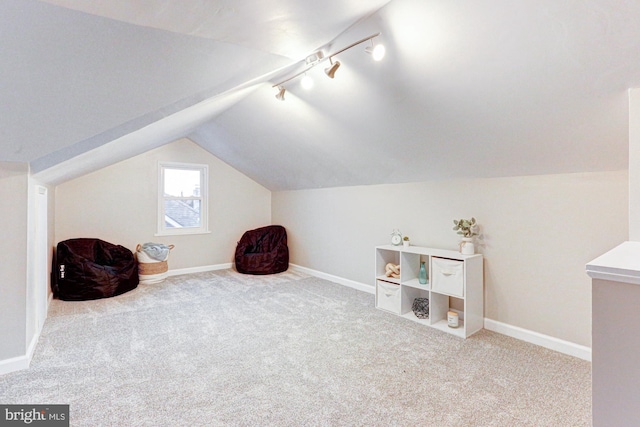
181,183
182,213
182,198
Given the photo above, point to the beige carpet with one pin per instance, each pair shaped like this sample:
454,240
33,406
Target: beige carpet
224,349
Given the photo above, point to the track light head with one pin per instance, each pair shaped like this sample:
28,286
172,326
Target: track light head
280,94
331,71
377,52
306,82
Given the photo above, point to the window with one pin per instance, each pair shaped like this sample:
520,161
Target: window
182,202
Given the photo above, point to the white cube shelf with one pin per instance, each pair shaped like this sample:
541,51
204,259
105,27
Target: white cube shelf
452,275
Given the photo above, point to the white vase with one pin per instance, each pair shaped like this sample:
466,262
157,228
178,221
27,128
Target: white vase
405,244
467,247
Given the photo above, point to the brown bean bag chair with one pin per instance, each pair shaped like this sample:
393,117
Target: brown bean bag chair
87,269
263,251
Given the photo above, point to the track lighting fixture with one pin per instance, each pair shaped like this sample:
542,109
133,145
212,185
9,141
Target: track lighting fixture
314,58
331,71
377,52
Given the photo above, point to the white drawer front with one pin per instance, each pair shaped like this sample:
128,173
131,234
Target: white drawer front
447,276
388,296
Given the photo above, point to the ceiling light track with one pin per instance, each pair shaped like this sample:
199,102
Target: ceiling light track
371,37
316,58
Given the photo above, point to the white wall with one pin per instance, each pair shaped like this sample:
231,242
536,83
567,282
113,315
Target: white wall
539,232
13,264
19,326
119,204
616,378
33,293
616,319
634,164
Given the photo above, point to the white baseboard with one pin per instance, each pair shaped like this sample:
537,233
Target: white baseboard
522,334
179,271
32,347
14,364
537,338
23,362
330,277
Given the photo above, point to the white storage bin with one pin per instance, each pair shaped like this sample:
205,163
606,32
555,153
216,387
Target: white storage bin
388,296
447,276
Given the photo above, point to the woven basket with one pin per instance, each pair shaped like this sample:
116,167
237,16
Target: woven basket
149,269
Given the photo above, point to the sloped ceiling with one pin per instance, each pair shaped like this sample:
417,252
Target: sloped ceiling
289,28
467,89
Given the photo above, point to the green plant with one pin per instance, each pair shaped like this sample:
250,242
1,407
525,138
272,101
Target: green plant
405,238
466,227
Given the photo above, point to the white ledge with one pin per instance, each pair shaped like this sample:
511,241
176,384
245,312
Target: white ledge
620,264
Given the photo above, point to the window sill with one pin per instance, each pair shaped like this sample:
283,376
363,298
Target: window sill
181,232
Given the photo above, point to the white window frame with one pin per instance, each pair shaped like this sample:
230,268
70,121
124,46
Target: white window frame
204,198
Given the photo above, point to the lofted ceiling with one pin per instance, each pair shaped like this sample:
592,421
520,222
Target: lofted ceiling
467,89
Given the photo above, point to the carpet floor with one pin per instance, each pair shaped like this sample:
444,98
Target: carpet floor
225,349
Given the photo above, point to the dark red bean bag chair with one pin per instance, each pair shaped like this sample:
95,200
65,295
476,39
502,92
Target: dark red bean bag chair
263,251
87,269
